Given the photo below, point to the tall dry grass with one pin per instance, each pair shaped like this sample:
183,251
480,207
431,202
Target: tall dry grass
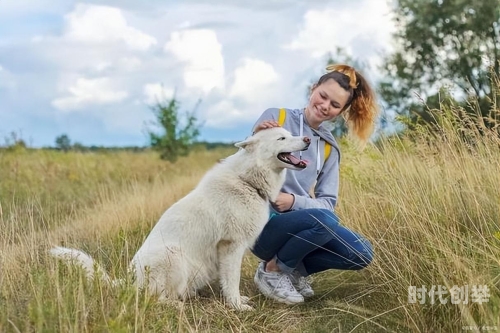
429,205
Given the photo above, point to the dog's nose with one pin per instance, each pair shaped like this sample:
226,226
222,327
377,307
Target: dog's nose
307,140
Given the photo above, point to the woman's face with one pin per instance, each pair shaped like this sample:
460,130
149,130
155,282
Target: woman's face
326,102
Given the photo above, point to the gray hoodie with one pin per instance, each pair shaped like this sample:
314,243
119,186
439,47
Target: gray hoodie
320,174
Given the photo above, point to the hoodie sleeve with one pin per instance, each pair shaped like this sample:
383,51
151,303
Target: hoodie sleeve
326,188
269,114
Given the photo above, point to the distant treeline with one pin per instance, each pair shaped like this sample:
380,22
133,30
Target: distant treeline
99,149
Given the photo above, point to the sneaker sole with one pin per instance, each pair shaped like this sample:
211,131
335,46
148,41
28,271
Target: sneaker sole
306,294
285,301
272,296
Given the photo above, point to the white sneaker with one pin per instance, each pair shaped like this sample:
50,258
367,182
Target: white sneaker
276,285
302,284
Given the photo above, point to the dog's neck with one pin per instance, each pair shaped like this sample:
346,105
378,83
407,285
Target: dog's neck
267,187
261,192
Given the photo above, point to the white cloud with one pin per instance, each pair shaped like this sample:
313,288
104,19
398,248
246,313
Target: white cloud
319,34
129,63
223,114
155,92
254,87
252,80
325,30
201,52
106,58
90,91
103,24
7,80
103,65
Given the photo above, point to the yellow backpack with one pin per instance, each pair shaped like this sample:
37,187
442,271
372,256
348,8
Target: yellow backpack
281,121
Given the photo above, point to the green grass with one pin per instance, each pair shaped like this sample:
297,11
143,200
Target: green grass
430,207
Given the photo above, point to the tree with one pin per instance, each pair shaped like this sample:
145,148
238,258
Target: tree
453,44
63,143
15,142
176,136
79,147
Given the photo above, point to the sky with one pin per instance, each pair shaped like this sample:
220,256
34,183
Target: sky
93,69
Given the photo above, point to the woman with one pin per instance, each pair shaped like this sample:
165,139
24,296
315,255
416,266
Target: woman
303,235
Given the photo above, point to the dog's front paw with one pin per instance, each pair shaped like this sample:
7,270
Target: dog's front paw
241,304
245,307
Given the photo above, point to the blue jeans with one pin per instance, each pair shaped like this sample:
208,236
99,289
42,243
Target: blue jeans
311,241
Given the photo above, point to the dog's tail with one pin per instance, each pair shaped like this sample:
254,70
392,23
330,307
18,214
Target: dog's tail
82,259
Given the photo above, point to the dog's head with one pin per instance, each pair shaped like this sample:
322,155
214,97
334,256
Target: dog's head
275,145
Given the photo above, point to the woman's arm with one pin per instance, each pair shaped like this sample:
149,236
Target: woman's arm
266,120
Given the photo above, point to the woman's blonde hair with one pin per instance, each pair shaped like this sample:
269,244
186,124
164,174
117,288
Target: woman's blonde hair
361,109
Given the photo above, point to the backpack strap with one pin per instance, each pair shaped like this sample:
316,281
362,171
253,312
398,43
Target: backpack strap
281,121
328,150
281,117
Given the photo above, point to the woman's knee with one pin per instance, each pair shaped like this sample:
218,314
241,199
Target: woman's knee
324,217
362,254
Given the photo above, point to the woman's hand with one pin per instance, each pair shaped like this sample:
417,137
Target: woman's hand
266,124
284,202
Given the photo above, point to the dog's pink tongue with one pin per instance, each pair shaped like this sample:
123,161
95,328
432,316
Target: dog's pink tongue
295,160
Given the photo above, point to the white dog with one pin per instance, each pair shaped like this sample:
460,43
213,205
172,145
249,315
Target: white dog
204,235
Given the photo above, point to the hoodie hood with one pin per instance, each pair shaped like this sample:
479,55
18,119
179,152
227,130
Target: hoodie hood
323,133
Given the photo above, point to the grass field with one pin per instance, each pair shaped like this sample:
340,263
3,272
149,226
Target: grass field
430,207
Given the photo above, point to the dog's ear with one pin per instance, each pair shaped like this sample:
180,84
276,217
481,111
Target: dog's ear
246,144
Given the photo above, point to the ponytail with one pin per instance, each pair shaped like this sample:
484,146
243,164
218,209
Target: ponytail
361,110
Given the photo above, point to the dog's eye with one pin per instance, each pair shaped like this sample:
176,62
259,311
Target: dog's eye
282,138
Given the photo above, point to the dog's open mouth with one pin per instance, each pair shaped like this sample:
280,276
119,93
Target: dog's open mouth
288,158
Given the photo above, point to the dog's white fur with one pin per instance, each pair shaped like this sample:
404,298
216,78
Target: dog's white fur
204,235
